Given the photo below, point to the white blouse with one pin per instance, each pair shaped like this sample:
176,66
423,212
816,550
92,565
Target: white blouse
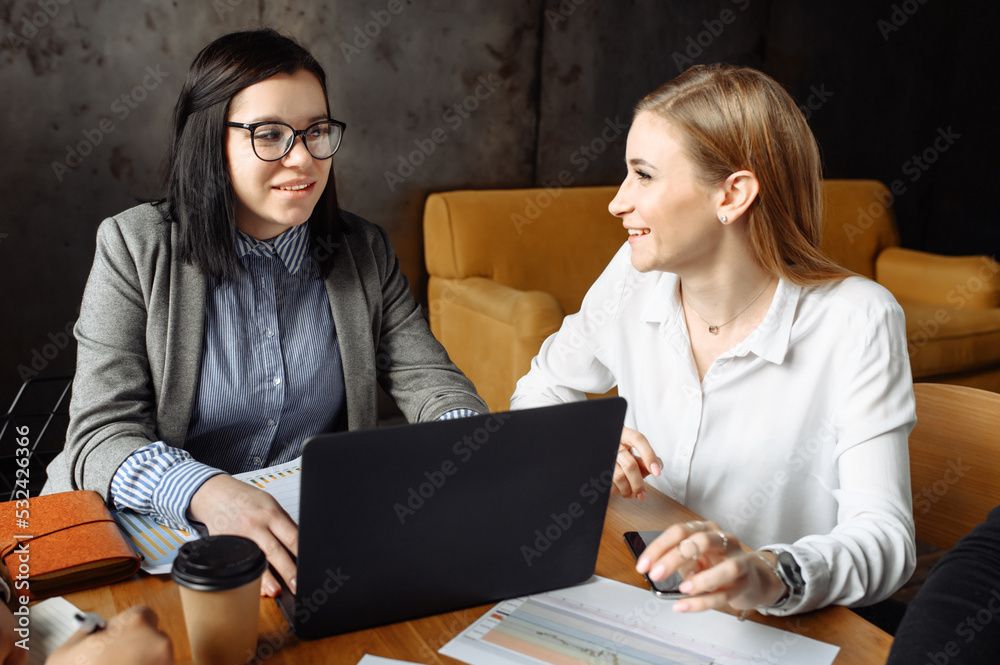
795,440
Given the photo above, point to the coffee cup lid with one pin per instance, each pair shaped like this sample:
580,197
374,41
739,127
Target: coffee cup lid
217,563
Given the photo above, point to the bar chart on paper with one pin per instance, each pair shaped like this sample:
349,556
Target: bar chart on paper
282,481
606,622
158,544
155,543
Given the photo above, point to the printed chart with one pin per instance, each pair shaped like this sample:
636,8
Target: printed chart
603,622
158,544
282,482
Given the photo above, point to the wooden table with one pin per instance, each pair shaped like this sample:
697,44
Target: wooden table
418,641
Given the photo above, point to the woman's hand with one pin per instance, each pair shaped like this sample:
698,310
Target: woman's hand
228,506
131,638
717,572
636,460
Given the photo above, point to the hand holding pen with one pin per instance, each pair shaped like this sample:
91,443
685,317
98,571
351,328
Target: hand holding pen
129,638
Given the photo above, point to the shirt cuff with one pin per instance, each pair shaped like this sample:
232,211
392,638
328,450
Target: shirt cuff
815,574
172,497
455,414
159,480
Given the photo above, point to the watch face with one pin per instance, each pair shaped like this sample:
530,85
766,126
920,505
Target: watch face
791,569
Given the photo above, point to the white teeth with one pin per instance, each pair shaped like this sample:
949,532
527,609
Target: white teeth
638,232
294,188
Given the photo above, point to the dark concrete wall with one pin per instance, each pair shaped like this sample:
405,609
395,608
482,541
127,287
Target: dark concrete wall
561,79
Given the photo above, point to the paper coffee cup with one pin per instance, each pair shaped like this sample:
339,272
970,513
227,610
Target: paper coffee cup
219,580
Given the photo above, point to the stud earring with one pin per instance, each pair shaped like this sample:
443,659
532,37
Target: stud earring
723,219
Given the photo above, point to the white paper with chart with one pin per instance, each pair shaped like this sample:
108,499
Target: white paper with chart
158,544
604,621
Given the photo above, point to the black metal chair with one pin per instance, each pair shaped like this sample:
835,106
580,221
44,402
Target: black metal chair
36,420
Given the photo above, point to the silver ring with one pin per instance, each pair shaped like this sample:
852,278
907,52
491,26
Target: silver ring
697,549
725,542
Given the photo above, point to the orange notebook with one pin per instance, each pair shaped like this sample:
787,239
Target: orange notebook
63,543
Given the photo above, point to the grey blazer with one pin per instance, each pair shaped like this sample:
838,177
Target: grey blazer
141,331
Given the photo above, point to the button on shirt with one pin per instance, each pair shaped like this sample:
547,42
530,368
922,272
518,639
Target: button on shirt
271,375
796,437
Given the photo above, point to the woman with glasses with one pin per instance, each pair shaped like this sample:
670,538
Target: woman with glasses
244,312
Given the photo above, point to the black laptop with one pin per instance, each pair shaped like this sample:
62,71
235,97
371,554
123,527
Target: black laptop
401,522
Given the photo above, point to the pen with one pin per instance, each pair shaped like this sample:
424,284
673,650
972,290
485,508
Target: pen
89,622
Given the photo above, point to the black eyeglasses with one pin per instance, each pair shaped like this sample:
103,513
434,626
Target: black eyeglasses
273,140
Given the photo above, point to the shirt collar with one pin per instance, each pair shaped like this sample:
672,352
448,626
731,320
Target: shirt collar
769,341
290,246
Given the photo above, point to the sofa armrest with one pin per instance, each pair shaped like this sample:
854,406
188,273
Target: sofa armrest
972,281
491,331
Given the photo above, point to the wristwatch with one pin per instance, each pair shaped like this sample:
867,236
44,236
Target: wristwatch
790,573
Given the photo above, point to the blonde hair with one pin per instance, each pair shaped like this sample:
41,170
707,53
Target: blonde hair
736,118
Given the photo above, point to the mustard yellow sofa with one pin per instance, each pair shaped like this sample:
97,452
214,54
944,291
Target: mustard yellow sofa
505,267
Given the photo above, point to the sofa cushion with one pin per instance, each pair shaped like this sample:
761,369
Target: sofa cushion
552,240
943,339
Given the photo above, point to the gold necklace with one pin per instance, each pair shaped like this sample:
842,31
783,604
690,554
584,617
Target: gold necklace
713,329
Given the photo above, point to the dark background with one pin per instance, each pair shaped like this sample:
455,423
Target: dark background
883,79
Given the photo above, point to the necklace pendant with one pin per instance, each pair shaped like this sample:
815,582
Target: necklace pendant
714,330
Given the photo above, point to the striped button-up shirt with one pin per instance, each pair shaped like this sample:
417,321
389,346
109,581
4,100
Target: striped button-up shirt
271,376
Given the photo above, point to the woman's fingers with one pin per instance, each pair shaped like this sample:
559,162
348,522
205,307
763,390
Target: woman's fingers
269,585
640,446
636,460
227,506
628,476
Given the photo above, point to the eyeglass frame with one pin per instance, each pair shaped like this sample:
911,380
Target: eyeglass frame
252,127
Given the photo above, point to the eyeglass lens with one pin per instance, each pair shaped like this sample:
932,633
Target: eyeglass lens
273,141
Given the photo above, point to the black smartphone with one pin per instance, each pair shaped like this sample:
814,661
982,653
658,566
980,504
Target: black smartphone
668,588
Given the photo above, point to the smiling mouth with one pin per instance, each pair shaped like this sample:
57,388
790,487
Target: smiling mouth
638,232
294,188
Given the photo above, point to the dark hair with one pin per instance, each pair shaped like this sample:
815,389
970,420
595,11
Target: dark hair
200,197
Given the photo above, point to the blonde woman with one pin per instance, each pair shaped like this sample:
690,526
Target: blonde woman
769,389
